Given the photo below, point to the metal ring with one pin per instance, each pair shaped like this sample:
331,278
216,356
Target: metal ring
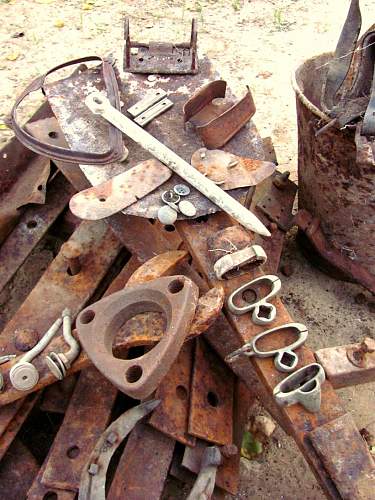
260,304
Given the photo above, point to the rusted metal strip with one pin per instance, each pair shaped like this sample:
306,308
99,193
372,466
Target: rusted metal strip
17,471
346,457
31,227
40,492
16,423
299,421
211,401
143,466
340,371
80,430
56,397
172,415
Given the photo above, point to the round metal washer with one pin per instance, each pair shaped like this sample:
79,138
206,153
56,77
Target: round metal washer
187,208
170,197
181,189
167,215
23,376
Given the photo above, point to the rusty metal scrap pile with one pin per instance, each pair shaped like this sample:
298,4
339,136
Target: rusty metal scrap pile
158,323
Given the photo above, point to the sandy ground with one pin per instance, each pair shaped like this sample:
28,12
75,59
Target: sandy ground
257,43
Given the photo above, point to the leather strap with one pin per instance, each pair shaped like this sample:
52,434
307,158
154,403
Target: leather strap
115,137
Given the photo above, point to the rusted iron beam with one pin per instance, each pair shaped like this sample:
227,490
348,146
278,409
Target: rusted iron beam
298,420
346,457
340,369
56,397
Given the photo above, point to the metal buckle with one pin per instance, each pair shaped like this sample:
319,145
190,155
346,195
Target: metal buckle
285,358
260,305
247,255
302,386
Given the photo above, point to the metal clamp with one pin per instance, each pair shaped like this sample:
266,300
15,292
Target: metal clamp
59,363
285,358
302,386
24,375
248,255
263,311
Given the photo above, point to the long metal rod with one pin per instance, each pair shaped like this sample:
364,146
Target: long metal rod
100,105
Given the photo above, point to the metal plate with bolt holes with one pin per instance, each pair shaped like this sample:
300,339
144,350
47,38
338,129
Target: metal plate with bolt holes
176,297
211,411
172,415
157,109
119,192
151,98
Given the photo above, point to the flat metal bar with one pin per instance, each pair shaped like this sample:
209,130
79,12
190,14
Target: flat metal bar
149,114
151,98
340,371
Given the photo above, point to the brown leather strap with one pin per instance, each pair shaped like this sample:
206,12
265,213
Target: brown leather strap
57,153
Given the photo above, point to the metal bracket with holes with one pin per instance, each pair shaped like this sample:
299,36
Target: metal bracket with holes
161,57
263,311
285,358
152,105
97,325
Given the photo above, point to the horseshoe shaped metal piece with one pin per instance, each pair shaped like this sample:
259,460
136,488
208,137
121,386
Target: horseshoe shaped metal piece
97,325
94,475
303,386
260,305
285,358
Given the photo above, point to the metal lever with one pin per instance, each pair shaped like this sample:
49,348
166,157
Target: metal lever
285,358
100,105
260,306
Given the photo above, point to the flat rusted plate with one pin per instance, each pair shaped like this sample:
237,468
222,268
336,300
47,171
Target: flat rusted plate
231,171
211,400
160,265
80,430
346,457
38,491
167,128
17,471
32,226
340,371
143,466
119,192
172,415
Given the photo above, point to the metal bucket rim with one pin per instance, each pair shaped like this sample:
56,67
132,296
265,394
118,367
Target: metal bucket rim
301,96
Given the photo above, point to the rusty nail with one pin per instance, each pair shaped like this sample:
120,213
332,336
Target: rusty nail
358,355
280,180
25,339
71,252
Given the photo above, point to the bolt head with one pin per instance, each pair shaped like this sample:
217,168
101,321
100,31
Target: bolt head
25,339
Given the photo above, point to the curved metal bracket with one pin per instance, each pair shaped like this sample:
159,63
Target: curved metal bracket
93,479
248,255
260,306
285,358
97,325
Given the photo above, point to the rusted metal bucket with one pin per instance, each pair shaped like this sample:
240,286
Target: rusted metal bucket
333,186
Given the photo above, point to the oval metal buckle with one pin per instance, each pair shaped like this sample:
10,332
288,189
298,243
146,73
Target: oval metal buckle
285,358
302,386
263,311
